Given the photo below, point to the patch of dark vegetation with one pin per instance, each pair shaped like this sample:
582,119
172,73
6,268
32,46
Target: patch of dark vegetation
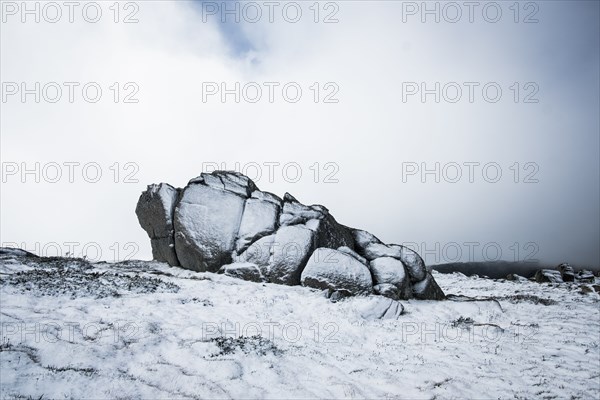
517,298
136,266
247,344
74,277
84,371
531,325
195,300
6,345
462,322
439,384
29,351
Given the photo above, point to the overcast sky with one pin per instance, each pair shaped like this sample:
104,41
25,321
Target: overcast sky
369,135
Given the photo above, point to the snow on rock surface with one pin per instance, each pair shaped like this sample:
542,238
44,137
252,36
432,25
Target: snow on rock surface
376,250
354,254
567,272
206,226
229,181
290,250
143,330
548,275
388,270
381,308
258,252
415,266
337,271
223,217
259,219
266,196
294,212
245,271
364,238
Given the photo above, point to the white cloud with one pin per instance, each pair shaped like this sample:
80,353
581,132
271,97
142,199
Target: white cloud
369,133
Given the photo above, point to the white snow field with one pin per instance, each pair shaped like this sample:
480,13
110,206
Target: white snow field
145,330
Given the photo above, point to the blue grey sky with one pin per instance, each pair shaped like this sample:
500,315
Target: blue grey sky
367,139
237,40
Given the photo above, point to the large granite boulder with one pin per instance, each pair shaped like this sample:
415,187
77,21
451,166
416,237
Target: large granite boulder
289,253
222,222
567,273
389,270
380,256
337,271
155,210
584,276
415,266
548,276
207,220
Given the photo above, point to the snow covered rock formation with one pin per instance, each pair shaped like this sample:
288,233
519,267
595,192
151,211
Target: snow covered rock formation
221,222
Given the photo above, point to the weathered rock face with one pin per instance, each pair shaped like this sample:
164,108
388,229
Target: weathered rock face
258,253
259,220
428,289
389,270
155,210
245,271
585,276
337,271
567,272
222,222
207,220
415,266
396,265
290,251
548,275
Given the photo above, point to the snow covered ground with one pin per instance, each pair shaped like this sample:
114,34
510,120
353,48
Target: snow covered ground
144,330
